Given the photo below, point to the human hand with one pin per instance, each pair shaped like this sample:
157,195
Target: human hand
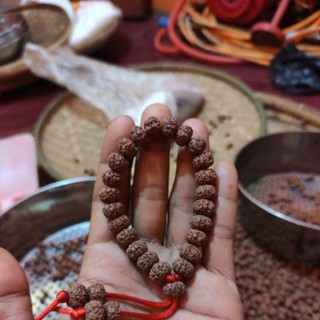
212,292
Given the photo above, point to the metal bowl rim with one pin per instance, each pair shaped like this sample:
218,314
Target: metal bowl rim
50,186
258,203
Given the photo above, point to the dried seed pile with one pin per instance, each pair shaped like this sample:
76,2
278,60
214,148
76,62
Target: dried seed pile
295,194
271,288
59,264
204,206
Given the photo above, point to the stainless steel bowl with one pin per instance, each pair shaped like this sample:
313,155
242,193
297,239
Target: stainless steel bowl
276,155
50,209
13,32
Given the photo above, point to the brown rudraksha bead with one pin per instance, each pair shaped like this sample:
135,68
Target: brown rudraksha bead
125,237
153,127
111,178
138,136
202,161
113,310
207,176
127,148
159,271
113,210
183,268
95,310
191,253
174,289
206,191
118,224
109,195
204,207
170,127
202,223
184,135
78,295
118,162
147,260
196,237
96,291
136,249
196,146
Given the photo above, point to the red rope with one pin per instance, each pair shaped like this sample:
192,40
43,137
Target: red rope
171,304
61,297
179,45
78,313
156,316
153,304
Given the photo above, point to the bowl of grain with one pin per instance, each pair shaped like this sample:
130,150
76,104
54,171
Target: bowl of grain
279,194
50,209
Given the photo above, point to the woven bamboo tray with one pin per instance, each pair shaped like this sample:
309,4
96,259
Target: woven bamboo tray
49,27
70,131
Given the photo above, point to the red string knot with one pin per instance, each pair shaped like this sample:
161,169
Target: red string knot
173,278
62,296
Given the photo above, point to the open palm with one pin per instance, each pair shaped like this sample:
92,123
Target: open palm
212,292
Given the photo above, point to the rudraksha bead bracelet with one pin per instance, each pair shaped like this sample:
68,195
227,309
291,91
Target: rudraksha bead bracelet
204,204
93,303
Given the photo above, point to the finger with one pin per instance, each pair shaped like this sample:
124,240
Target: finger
117,129
219,251
15,301
182,198
150,192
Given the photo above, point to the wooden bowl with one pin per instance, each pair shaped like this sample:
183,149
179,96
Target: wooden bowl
49,26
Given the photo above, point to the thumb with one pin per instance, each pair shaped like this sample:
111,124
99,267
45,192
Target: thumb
15,302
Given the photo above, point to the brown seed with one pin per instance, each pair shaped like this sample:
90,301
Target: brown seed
78,295
203,161
118,224
127,148
204,207
125,237
113,210
196,237
202,223
136,249
183,268
159,271
97,292
191,253
170,127
118,162
95,311
184,135
111,178
113,310
196,146
109,195
174,289
207,176
138,136
147,260
207,192
153,127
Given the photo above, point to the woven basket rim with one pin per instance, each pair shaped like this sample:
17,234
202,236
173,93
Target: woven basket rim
232,81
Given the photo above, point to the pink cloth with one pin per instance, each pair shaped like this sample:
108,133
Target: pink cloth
18,169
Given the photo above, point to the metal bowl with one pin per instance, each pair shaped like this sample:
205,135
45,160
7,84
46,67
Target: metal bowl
13,31
50,209
265,167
